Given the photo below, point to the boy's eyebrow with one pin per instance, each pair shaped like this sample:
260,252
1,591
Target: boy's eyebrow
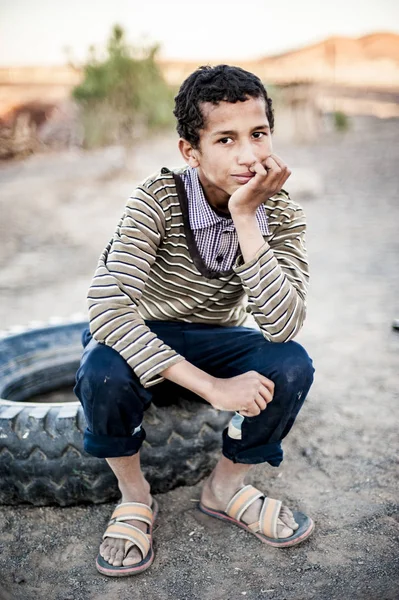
227,132
231,131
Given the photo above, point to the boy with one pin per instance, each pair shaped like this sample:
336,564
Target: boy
168,302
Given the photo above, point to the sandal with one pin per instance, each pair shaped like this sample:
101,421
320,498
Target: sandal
117,528
266,528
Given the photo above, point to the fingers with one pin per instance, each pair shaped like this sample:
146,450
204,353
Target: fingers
285,171
266,394
246,413
259,169
254,411
261,401
271,173
267,383
273,162
263,392
277,172
272,165
279,162
254,393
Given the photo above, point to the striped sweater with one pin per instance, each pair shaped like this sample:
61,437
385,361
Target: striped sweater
151,270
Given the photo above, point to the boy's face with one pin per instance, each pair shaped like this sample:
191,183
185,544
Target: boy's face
234,138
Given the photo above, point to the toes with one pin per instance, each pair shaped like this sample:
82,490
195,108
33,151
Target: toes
112,551
287,518
105,550
282,530
292,523
285,511
133,557
112,555
118,559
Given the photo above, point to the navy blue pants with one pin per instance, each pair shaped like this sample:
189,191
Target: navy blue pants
114,400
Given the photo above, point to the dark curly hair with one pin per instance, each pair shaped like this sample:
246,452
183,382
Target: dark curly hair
215,84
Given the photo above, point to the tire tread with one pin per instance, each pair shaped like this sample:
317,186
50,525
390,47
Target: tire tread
42,460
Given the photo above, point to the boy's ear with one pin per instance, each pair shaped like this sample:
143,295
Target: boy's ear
189,153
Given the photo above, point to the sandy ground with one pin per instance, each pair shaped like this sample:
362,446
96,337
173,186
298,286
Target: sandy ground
340,466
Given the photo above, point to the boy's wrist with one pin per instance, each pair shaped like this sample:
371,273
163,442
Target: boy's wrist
243,215
196,380
205,386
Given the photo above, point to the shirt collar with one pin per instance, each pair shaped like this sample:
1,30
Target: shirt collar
201,215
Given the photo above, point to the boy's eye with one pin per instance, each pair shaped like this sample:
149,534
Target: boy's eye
225,140
258,134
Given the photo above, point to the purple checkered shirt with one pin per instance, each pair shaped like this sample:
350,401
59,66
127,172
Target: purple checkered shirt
215,236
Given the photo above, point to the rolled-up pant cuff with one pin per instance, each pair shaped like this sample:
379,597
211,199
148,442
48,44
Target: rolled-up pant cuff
270,453
105,446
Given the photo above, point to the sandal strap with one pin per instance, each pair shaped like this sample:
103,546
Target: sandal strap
129,511
254,527
268,517
242,500
133,536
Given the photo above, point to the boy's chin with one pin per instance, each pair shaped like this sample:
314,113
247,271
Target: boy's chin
233,187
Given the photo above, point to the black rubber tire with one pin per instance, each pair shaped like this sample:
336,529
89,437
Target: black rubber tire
42,460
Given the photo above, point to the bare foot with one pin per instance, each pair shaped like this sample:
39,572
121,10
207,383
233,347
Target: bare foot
113,550
217,497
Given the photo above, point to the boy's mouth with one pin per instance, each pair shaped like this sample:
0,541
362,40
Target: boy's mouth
243,177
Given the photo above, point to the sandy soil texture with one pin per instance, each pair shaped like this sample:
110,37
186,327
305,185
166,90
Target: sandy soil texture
340,465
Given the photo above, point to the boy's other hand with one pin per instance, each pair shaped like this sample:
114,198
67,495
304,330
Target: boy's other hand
247,394
269,177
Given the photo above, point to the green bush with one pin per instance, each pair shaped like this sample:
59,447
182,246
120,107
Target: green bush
341,121
123,93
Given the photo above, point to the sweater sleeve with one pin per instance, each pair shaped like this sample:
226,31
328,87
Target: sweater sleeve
117,286
276,279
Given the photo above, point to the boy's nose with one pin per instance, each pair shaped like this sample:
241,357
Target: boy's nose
246,156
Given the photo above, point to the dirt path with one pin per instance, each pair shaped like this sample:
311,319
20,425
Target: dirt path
340,464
